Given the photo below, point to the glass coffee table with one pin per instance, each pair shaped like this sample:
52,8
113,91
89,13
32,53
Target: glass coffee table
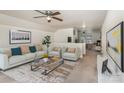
49,64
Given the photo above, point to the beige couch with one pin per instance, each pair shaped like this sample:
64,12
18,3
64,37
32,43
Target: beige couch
7,61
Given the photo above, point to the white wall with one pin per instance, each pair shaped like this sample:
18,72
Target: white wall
7,23
13,21
36,35
61,35
111,20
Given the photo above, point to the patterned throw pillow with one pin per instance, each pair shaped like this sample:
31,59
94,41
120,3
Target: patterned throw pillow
71,50
39,47
56,49
6,51
25,49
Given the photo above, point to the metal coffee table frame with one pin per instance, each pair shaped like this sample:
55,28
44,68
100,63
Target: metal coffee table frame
46,71
45,64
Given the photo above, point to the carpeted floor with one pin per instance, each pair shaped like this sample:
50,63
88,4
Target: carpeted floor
23,74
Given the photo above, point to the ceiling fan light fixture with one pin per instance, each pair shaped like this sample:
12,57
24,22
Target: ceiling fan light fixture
83,25
48,18
49,15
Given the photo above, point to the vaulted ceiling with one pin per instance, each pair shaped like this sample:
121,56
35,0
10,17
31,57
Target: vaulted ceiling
93,19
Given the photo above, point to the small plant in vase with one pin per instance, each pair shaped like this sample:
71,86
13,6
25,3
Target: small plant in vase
45,58
46,41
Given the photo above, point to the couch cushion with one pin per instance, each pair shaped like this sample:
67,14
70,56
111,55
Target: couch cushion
16,51
32,49
71,50
39,47
24,49
16,59
70,55
56,48
40,53
30,55
54,53
6,51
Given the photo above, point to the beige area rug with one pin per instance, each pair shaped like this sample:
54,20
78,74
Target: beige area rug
25,75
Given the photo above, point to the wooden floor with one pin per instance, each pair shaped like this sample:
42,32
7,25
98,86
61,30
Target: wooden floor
84,72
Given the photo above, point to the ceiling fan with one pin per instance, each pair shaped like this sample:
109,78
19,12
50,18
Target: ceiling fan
49,15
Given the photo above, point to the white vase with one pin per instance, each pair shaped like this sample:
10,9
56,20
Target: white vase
45,59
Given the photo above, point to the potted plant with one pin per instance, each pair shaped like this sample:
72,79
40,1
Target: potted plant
46,41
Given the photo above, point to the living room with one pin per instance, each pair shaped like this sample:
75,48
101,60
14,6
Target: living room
80,45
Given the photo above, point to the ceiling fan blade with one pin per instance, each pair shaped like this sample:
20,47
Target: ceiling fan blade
39,16
57,18
56,13
40,12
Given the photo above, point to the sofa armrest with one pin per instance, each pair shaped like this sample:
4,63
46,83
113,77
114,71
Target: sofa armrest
63,50
78,52
3,61
59,51
51,49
